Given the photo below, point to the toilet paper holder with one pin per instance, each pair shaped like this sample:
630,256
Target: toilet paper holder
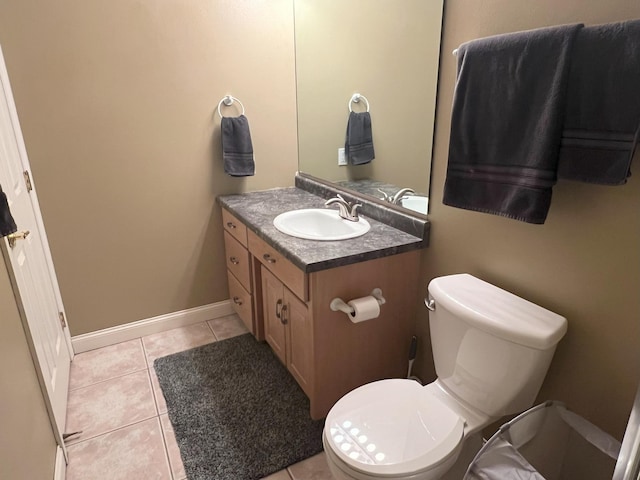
337,304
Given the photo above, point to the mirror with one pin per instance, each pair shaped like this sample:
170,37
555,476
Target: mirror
388,51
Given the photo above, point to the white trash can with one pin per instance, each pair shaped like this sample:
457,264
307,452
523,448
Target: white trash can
547,442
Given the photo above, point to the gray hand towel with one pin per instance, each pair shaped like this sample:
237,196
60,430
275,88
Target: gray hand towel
358,145
602,119
237,149
7,224
507,121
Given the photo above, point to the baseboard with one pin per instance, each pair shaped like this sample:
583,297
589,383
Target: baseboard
129,331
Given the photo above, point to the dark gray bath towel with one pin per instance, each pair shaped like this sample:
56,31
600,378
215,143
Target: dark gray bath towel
602,120
358,146
507,122
7,224
237,149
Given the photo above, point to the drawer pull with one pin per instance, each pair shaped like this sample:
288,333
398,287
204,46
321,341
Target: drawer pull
234,260
237,301
283,317
278,307
269,258
231,225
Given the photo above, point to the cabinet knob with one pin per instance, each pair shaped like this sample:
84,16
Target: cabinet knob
237,301
234,260
283,317
268,258
278,307
231,225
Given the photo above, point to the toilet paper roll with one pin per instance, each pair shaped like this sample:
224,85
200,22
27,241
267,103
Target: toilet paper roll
364,308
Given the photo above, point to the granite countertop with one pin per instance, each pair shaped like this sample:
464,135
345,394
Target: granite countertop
258,209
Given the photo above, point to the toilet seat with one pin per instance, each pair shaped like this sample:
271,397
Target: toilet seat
393,427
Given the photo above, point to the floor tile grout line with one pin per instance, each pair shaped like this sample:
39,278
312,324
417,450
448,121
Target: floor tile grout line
153,393
144,351
166,446
150,364
212,330
111,431
107,379
153,399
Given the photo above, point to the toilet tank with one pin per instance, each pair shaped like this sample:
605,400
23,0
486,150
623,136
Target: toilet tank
491,349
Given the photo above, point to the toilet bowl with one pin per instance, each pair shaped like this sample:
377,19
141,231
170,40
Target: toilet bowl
491,351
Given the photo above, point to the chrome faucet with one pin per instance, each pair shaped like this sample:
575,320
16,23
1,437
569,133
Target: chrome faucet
400,194
345,209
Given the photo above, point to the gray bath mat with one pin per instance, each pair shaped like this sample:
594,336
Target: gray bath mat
236,412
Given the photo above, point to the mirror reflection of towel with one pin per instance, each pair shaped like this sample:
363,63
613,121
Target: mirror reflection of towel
358,146
7,224
237,149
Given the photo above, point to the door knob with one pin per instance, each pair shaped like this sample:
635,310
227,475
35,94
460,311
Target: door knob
12,238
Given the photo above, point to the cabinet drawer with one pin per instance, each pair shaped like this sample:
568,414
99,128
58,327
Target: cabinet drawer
241,301
235,227
237,260
294,278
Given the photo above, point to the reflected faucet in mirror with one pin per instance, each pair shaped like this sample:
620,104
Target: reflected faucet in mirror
397,198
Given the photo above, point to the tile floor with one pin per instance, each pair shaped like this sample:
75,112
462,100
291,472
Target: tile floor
116,401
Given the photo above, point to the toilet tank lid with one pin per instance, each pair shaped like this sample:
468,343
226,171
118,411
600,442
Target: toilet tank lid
498,312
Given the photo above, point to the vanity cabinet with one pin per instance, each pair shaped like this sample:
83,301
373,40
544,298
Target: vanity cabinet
324,351
239,269
287,328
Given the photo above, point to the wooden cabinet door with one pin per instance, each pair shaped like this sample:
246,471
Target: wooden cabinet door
299,340
273,301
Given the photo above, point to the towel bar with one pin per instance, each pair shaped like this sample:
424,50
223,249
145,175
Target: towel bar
228,101
356,99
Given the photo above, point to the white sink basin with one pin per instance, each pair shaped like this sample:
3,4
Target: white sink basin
319,224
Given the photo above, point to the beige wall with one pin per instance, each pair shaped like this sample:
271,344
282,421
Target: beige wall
27,444
116,100
583,263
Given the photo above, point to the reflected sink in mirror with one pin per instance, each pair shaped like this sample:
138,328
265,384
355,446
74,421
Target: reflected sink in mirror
417,203
319,224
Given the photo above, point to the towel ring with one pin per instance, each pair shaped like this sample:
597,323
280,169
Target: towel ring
356,99
228,101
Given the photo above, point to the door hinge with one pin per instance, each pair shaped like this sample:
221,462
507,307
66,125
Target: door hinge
63,322
27,180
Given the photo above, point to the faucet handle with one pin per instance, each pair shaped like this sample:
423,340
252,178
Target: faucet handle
385,196
402,193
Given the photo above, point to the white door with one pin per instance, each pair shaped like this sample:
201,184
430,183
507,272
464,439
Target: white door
30,259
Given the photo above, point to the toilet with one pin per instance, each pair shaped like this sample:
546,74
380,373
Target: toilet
491,350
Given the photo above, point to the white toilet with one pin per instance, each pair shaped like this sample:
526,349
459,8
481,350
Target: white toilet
491,351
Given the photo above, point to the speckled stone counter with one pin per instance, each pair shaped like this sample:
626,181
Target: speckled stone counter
258,209
401,219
